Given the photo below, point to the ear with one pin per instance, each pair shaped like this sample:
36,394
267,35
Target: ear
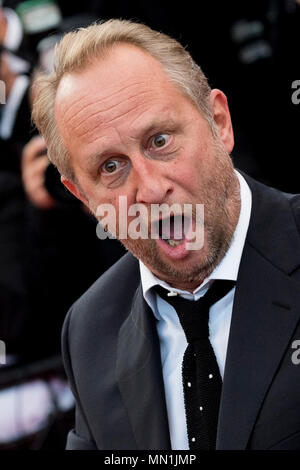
73,188
222,118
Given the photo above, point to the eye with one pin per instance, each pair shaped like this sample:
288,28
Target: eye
110,166
159,140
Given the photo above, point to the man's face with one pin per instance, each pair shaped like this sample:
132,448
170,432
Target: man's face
131,132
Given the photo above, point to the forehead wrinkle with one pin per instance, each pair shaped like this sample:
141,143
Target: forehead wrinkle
104,110
106,96
74,103
165,117
103,98
107,123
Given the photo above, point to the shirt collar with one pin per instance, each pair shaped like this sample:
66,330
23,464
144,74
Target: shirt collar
227,269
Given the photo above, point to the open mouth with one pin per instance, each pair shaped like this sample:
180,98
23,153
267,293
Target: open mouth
172,234
171,230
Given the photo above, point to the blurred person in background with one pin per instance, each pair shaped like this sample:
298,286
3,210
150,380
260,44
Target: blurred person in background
15,127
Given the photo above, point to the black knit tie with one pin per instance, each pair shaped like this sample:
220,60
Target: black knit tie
202,383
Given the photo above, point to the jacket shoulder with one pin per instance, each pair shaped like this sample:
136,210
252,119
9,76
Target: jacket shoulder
274,225
93,321
114,288
294,200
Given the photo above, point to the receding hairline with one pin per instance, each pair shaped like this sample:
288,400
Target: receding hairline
106,55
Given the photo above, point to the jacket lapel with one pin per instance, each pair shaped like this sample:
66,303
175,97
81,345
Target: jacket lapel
263,320
265,313
139,377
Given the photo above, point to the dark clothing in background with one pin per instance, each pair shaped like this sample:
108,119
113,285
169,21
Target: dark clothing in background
13,290
22,131
65,259
14,305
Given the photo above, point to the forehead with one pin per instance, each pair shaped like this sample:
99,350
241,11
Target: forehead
123,83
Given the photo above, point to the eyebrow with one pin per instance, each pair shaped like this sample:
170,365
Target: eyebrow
160,125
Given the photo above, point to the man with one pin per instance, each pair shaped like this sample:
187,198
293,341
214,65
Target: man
127,113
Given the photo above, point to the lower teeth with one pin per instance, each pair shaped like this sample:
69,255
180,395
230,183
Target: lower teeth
173,242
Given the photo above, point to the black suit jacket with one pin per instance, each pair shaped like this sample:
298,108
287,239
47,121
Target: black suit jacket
112,356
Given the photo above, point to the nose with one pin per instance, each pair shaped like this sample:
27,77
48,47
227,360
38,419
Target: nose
152,183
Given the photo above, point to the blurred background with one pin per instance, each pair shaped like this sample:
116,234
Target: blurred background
49,252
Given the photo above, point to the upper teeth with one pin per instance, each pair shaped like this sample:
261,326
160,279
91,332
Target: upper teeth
174,242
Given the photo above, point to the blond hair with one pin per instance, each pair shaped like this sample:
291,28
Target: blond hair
77,50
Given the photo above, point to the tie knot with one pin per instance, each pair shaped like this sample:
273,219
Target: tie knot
194,314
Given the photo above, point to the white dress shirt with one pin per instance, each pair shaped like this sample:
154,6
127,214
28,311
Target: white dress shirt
171,335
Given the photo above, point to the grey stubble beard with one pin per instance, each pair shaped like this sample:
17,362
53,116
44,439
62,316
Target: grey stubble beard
221,212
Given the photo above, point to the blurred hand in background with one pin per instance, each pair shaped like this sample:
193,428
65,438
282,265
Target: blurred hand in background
34,165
